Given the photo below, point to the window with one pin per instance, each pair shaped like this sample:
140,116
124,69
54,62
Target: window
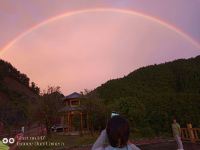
74,103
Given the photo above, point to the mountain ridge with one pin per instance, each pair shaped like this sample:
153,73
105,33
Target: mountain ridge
172,69
150,97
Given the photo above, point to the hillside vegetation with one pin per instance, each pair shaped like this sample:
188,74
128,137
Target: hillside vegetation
17,96
151,96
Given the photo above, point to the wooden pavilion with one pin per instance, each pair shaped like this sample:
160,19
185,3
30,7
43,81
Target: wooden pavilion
74,116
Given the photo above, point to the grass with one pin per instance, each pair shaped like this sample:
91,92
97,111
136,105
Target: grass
65,141
68,142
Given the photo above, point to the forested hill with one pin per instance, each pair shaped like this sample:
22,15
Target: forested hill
179,76
16,94
156,93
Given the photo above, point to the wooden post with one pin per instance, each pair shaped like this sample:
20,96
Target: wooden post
81,124
191,133
68,122
87,122
196,134
64,121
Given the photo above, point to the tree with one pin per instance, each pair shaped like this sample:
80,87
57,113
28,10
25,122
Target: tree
34,88
96,110
133,109
50,103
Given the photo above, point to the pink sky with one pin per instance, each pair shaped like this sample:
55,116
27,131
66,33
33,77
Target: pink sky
85,50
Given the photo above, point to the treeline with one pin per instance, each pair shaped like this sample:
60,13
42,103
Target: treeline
22,103
17,100
7,70
151,96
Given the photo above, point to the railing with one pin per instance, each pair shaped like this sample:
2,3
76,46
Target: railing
185,134
190,134
33,131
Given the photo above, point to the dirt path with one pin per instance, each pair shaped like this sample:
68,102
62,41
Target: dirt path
170,146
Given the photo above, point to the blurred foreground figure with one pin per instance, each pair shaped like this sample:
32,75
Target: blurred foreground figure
14,146
117,133
3,146
177,134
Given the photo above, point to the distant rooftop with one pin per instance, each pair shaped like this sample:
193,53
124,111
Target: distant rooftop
73,95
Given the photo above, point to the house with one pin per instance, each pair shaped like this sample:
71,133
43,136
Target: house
74,115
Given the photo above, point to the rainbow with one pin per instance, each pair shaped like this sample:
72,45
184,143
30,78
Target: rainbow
130,12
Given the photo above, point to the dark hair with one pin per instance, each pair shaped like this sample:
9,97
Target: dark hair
118,131
174,118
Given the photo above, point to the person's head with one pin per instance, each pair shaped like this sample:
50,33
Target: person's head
174,120
118,131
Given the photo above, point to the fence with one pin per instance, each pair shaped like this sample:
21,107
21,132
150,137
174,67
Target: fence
190,134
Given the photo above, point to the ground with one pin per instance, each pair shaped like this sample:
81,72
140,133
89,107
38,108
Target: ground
160,146
170,146
74,142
